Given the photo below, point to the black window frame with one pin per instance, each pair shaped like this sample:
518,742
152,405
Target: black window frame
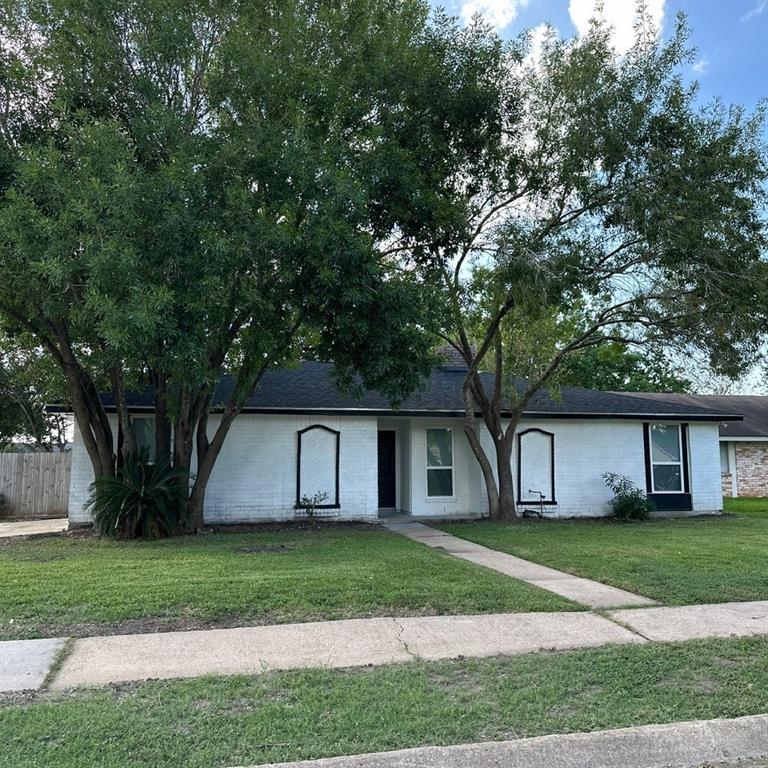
300,434
676,501
535,502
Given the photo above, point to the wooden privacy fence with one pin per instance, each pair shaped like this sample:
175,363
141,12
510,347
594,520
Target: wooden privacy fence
34,485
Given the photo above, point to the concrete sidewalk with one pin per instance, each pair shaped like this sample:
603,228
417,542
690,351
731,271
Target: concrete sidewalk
332,644
696,622
363,642
24,664
11,528
584,591
676,745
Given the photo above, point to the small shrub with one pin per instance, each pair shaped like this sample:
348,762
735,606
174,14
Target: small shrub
629,502
309,504
143,501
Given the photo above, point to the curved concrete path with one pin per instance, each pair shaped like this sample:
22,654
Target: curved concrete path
675,745
585,591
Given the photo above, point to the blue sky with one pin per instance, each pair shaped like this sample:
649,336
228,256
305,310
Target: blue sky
731,36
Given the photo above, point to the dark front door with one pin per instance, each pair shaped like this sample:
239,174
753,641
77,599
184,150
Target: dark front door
387,469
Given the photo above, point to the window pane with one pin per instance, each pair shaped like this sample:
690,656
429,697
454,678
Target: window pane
665,442
439,482
667,477
439,450
724,463
144,430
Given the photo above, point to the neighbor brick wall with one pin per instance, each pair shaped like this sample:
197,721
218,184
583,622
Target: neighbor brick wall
726,478
752,468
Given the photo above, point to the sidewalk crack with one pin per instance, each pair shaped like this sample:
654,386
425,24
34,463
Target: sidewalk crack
401,639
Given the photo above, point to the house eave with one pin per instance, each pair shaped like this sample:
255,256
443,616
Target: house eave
438,413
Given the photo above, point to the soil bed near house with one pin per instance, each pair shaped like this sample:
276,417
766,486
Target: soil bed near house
681,561
75,586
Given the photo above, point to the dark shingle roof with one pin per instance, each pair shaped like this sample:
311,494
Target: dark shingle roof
309,388
754,409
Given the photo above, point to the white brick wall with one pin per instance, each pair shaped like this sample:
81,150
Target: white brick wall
706,482
584,449
255,475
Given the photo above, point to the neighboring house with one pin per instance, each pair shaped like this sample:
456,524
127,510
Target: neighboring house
298,436
743,444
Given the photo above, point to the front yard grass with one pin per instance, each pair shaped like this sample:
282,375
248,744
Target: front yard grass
84,586
277,717
677,562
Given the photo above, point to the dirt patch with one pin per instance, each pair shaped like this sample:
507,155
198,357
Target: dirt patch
270,548
286,526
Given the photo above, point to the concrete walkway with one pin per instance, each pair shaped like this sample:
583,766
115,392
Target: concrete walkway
95,661
24,664
697,622
10,528
584,591
333,644
676,745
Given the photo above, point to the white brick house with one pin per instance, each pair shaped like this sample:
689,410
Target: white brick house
743,443
299,436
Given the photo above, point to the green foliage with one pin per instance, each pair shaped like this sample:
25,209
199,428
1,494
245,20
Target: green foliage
29,380
615,367
629,502
144,500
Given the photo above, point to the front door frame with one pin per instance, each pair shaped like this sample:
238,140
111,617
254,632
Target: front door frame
392,490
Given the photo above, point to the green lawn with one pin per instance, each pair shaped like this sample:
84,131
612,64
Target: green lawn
678,562
71,586
216,722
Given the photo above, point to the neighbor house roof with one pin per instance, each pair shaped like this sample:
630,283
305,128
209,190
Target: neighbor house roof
309,388
754,409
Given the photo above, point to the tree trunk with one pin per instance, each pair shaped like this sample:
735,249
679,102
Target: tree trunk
126,437
507,506
162,422
208,452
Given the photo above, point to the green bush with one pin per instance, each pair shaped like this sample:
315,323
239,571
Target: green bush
629,502
143,501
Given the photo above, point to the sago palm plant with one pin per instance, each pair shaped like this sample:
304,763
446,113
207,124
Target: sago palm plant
144,500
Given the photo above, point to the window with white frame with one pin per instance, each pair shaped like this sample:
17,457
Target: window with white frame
725,459
439,463
666,458
144,432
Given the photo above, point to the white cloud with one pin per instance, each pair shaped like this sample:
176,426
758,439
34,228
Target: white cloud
537,36
620,14
756,10
701,65
498,13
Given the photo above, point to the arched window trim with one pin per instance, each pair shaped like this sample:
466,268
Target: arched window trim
551,436
301,432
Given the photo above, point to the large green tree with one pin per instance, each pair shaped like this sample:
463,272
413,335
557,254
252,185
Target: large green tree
600,204
618,368
29,381
192,188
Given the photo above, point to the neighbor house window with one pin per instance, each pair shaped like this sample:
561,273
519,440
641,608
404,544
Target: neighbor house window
439,463
666,458
725,462
144,431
